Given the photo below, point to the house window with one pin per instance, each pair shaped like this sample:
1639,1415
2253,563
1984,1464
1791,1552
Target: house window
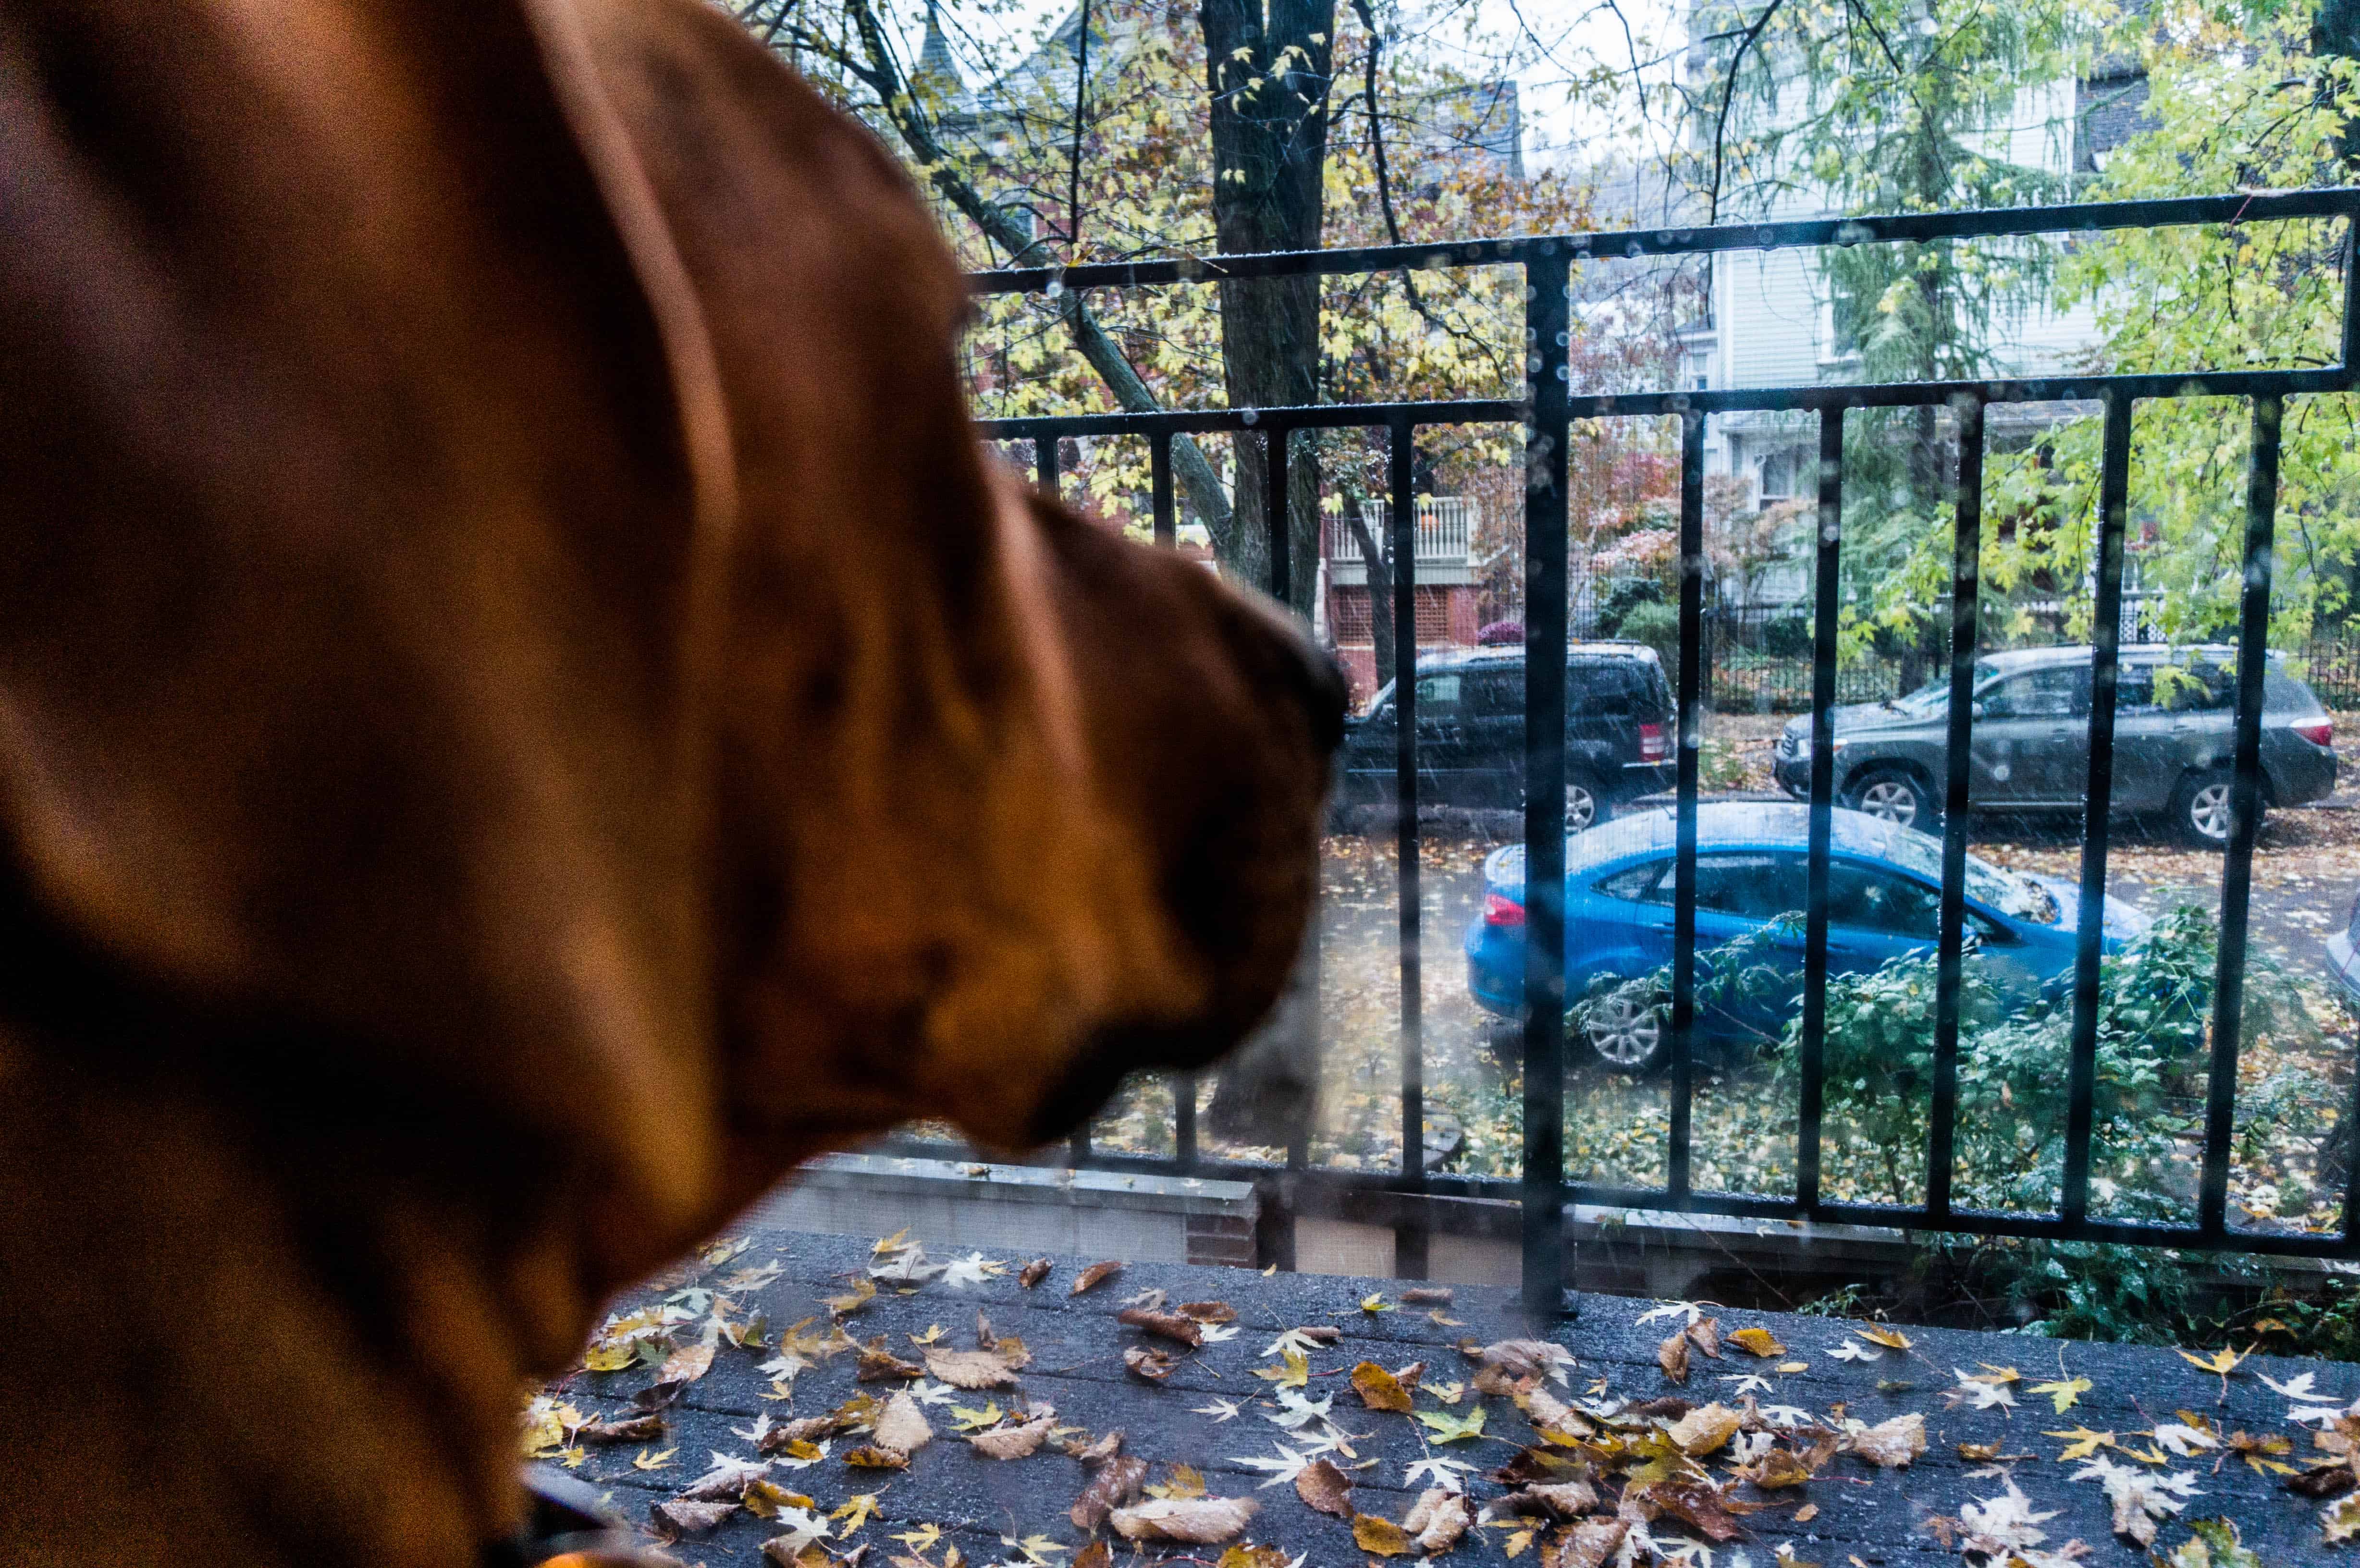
1696,370
1778,475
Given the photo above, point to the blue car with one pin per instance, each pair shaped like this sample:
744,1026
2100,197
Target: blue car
1884,901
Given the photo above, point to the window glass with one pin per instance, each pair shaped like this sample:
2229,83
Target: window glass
1869,898
1640,884
2058,694
1495,693
1437,692
1754,885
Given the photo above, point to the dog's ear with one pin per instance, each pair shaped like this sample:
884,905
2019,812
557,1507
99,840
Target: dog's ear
361,466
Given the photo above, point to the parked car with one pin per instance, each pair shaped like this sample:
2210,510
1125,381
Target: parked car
1885,892
1471,731
2175,721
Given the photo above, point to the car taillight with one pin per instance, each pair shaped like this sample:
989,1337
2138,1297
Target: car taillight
1502,911
1652,748
2319,732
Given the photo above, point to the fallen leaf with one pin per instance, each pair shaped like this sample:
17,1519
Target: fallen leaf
1187,1482
2080,1442
1176,1326
877,1362
1149,1364
1293,1372
854,1514
1220,1409
1375,1303
1429,1296
903,1426
1094,1276
692,1517
1891,1444
1698,1504
1013,1441
871,1456
1380,1389
970,1368
1704,1429
2141,1500
863,1291
1759,1342
643,1460
1789,1366
2064,1394
1031,1275
1096,1452
1325,1488
1672,1356
1249,1556
1591,1543
1096,1554
632,1429
1438,1519
1705,1335
1381,1536
1210,1312
2221,1363
1520,1359
764,1498
1115,1483
686,1365
1890,1338
1199,1520
1453,1429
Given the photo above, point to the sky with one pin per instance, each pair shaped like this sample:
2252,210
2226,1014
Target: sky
1553,44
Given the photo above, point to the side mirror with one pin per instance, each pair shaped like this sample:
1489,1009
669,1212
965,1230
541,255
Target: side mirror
1978,710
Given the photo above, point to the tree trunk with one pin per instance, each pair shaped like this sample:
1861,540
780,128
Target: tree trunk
1380,573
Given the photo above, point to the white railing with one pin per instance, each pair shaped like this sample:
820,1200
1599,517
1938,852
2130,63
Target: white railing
1445,530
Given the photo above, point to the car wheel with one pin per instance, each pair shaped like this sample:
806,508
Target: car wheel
1626,1034
2202,808
1585,803
1894,797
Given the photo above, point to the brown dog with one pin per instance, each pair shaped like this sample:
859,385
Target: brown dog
523,713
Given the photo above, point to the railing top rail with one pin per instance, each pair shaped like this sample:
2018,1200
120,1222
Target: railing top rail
2260,206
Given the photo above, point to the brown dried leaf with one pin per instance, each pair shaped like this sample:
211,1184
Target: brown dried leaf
1672,1356
764,1497
1210,1312
873,1457
1097,1451
1031,1275
1891,1444
631,1428
1560,1499
1535,1359
877,1362
1321,1334
1248,1556
970,1368
1428,1295
690,1518
1551,1414
1096,1554
903,1427
1438,1519
686,1365
2328,1480
1704,1429
1696,1504
1013,1441
1779,1467
1491,1379
659,1396
1325,1488
1152,1364
1011,1351
1705,1335
1380,1389
1379,1536
1589,1544
1115,1485
1200,1520
1760,1341
1096,1274
1170,1326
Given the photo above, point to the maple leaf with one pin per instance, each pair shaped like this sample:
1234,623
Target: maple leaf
1215,1334
855,1515
2082,1443
1282,1469
1447,1428
1688,1312
1440,1471
922,1538
1890,1338
1302,1342
803,1455
643,1460
1747,1382
1982,1394
755,1433
1375,1303
928,1392
933,1335
1787,1415
972,1269
2221,1363
2184,1439
1294,1410
1294,1374
802,1526
1848,1351
968,1419
1037,1548
2002,1526
894,1242
2341,1519
1220,1409
2062,1395
2141,1500
2300,1388
908,1267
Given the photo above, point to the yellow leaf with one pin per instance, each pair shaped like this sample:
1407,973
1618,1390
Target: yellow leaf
1294,1374
643,1460
2220,1364
1996,1374
1890,1338
2062,1395
1516,1543
855,1513
1792,1367
1187,1482
1375,1303
1381,1536
1759,1341
611,1357
1380,1389
922,1538
932,1335
968,1419
2082,1443
894,1242
1451,1429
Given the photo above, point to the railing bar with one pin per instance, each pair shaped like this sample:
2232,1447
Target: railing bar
1159,468
1184,1121
1547,315
2245,814
1281,576
2348,355
2106,629
1402,531
1826,608
1618,405
1966,570
1690,738
1881,229
1045,462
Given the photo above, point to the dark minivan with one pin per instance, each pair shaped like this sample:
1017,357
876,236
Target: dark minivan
1471,731
2175,730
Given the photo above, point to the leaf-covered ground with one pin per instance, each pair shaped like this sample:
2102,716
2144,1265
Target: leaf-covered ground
819,1401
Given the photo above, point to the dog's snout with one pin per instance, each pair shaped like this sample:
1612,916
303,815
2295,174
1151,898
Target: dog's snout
1300,667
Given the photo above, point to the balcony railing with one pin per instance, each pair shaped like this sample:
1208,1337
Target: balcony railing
1444,535
1419,1202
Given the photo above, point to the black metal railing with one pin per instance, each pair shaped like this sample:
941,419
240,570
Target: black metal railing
1407,1197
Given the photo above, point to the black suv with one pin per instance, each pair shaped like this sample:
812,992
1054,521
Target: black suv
1471,731
2175,729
